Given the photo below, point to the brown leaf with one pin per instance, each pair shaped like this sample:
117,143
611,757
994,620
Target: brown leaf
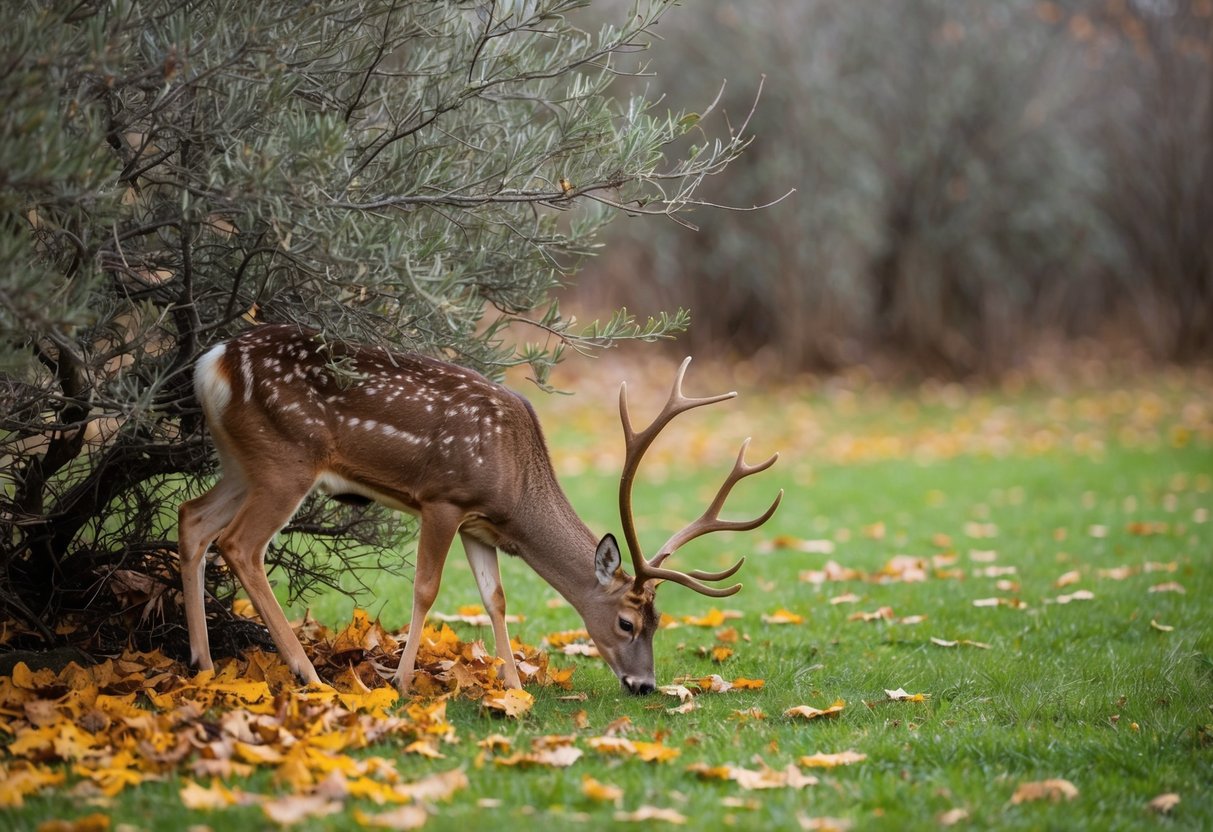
1054,790
644,814
1164,803
900,695
291,809
96,822
953,817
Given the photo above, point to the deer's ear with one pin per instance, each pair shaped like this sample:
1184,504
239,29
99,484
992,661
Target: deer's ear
607,560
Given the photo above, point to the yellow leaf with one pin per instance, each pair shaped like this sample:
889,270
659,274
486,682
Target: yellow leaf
655,752
809,712
783,616
375,701
600,792
495,742
22,779
1162,628
1054,790
512,703
423,748
742,683
96,822
842,758
713,618
721,654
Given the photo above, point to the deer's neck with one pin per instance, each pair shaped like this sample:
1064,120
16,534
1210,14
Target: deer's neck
554,541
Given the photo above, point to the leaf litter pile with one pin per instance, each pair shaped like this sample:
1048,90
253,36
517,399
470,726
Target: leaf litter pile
142,716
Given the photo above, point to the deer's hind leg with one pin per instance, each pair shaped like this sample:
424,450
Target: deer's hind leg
439,522
199,522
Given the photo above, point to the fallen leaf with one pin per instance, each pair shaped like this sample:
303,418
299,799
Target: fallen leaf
882,614
1164,803
809,712
713,618
755,779
1054,790
900,695
96,822
644,814
683,693
1071,577
1162,628
291,809
600,792
842,758
513,703
1169,586
1079,595
823,824
782,616
559,757
939,642
953,817
402,817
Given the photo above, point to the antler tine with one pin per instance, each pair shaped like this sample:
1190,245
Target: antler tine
637,443
710,520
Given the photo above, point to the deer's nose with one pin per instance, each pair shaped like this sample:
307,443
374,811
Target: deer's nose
639,687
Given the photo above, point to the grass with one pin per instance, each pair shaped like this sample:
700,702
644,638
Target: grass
1088,691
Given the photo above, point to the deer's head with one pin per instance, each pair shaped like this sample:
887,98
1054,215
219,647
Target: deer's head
624,618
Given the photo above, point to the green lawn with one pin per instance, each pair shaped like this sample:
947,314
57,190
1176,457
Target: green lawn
1089,691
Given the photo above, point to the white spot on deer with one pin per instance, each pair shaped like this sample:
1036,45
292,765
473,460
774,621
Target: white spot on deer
446,440
354,422
246,374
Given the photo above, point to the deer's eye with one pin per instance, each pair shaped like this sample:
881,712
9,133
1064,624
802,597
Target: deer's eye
625,625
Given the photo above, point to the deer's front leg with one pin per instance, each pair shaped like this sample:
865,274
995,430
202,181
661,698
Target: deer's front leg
439,522
483,559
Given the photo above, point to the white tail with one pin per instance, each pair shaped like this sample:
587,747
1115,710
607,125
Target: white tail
464,454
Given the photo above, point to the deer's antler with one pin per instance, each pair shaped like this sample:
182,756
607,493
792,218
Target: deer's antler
637,443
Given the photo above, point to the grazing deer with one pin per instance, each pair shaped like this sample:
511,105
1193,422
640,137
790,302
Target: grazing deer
464,454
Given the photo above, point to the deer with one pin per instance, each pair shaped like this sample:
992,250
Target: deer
291,411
